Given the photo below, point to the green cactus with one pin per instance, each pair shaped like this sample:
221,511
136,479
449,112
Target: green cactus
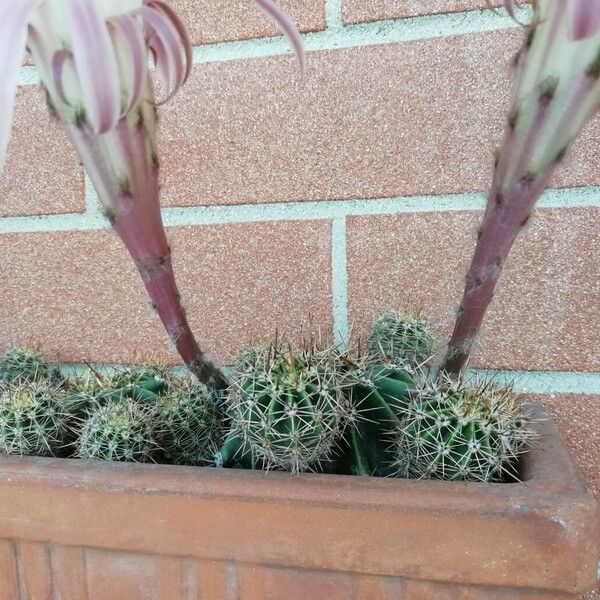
121,430
288,409
401,338
378,386
378,393
32,420
187,423
96,388
25,364
457,431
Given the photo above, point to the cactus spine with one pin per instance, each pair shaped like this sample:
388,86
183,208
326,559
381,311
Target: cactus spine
187,423
97,388
557,93
32,421
375,392
25,364
121,430
289,408
455,431
401,338
378,386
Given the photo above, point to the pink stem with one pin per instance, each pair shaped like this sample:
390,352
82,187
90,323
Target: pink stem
496,238
156,271
135,216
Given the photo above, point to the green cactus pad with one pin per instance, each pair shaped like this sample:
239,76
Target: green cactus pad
187,423
121,430
288,407
32,420
401,338
455,431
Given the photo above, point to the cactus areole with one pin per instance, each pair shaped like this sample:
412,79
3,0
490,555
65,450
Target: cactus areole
557,92
92,57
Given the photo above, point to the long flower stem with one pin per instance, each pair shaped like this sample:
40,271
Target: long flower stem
497,235
132,207
157,274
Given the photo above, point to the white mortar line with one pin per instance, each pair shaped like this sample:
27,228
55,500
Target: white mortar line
333,14
363,34
547,382
350,36
339,282
294,211
525,382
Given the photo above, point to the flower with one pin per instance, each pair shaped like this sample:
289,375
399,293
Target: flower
93,61
92,54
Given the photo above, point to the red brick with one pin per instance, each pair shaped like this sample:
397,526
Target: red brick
78,295
413,118
211,21
544,315
357,11
42,174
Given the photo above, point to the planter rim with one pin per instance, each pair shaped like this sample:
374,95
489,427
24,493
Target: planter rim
547,524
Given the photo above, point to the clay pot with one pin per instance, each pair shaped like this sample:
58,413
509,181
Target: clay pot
76,530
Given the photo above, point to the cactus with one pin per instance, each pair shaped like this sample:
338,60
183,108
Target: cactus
187,423
121,430
453,430
288,409
557,93
377,393
98,388
25,364
32,421
401,338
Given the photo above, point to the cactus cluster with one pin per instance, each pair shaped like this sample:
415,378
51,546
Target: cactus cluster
121,430
138,383
454,430
25,364
292,408
32,419
376,393
187,424
288,407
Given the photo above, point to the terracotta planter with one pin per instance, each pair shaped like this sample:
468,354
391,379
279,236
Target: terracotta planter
74,530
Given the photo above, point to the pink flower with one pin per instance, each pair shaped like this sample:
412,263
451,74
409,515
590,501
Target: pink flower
92,54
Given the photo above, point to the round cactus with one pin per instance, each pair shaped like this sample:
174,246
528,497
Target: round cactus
401,338
121,430
32,421
289,407
25,364
187,423
455,431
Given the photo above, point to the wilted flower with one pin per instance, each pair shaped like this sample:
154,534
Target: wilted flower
557,92
93,60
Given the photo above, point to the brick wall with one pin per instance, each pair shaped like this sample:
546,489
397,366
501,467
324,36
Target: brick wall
323,202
